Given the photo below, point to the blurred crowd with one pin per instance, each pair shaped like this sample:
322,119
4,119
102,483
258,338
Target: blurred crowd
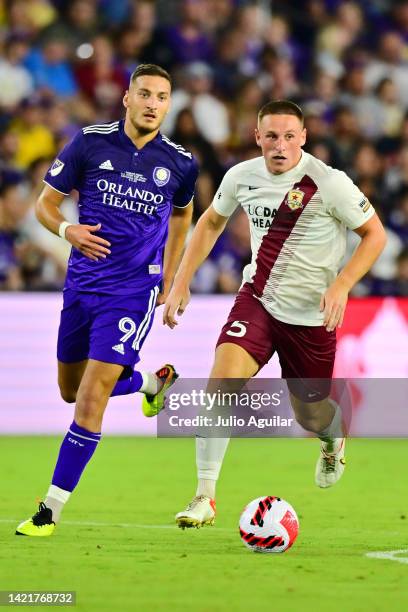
65,64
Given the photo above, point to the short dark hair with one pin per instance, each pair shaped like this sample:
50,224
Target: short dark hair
281,107
151,70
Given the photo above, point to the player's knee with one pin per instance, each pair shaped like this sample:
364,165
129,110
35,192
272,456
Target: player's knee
90,422
88,404
91,399
88,414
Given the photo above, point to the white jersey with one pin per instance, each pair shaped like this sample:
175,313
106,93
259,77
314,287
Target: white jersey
298,223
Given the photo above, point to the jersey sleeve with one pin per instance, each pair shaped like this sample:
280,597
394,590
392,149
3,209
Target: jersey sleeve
225,201
185,192
65,173
346,202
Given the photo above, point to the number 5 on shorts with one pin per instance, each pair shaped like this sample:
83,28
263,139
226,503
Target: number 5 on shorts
238,329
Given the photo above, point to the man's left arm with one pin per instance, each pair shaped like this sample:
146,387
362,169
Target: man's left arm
334,300
179,224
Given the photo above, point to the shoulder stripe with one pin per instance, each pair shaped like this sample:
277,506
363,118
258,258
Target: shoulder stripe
178,147
101,129
102,126
98,129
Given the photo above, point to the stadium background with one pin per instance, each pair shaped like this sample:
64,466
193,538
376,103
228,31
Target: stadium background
64,65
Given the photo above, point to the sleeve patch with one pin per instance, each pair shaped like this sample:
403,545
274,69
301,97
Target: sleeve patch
56,167
365,204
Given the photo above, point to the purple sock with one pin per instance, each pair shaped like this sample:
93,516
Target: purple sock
76,450
128,385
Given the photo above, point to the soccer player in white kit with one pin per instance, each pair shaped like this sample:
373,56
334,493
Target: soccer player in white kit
292,297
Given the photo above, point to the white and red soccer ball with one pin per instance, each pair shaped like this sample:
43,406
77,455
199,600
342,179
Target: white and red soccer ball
268,525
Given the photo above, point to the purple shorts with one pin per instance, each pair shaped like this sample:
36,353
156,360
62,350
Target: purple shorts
109,328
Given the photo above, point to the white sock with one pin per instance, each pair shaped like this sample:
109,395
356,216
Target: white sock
209,456
56,499
330,435
151,383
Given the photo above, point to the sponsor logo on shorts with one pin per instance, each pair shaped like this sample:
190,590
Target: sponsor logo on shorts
119,348
295,198
161,176
56,167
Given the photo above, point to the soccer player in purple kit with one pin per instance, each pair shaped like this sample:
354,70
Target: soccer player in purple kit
135,204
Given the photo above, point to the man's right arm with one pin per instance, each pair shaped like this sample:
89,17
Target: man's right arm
48,213
208,229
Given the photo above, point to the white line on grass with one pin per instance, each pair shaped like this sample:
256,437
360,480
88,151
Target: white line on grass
390,555
123,525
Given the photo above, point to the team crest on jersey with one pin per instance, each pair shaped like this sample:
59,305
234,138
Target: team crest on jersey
56,167
161,176
295,199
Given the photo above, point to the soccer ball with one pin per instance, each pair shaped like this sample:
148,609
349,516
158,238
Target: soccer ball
268,525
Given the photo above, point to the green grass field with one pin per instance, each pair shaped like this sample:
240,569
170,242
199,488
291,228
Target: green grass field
118,548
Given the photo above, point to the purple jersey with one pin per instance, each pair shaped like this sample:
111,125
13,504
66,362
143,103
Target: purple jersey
129,191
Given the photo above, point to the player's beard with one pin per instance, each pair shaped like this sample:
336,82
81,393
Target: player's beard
144,130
